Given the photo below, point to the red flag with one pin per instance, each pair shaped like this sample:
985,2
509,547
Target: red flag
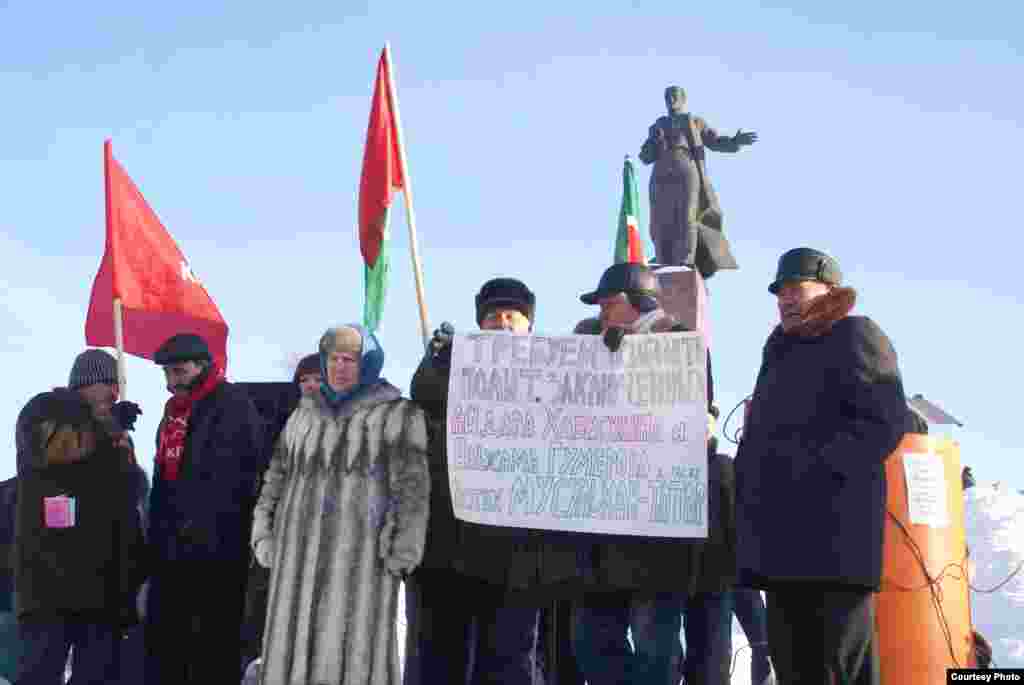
382,166
142,265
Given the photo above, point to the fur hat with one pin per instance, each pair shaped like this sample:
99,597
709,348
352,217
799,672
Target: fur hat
341,339
309,364
92,366
505,292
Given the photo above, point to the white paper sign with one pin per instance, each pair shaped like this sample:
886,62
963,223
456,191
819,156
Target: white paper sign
559,433
926,489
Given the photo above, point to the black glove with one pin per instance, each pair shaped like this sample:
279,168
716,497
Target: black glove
440,346
613,338
125,414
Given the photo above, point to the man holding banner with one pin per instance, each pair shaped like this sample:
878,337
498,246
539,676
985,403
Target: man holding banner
461,557
641,580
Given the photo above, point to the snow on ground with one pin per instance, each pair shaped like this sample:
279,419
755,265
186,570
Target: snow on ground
994,524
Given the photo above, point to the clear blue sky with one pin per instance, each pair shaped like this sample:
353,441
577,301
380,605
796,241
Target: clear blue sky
890,135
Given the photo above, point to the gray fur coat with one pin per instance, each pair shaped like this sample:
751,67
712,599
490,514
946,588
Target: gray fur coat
345,504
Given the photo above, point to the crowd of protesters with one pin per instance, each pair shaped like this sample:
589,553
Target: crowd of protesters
287,546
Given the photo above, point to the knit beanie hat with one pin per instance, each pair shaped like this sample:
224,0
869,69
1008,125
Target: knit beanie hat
309,364
92,366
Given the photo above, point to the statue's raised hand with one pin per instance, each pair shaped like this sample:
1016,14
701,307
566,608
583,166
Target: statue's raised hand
741,138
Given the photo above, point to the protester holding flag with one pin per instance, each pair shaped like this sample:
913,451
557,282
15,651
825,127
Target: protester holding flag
827,411
209,457
638,583
341,519
79,555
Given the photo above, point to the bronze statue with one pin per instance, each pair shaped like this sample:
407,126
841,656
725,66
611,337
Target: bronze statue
686,219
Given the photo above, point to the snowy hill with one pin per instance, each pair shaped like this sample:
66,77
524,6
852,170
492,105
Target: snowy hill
994,524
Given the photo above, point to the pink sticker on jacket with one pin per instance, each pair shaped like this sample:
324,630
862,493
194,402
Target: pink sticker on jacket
59,511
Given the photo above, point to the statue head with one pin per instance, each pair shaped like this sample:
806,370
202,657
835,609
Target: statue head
675,100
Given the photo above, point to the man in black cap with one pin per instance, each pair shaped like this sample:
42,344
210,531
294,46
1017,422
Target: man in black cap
640,583
210,454
827,411
460,588
79,555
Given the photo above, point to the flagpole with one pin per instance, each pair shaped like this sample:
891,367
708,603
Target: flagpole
122,377
407,190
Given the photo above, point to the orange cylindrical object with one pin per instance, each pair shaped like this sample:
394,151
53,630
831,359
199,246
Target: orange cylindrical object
913,645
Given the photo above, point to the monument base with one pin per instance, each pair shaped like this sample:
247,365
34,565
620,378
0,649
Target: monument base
684,296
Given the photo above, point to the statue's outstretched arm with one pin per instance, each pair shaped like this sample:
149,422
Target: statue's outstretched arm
718,143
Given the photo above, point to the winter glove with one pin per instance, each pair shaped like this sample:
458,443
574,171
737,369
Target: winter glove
264,552
125,413
399,568
613,338
440,346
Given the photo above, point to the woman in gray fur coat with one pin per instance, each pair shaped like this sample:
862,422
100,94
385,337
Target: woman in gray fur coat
341,518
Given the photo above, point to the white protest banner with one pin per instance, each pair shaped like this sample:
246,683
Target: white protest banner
559,433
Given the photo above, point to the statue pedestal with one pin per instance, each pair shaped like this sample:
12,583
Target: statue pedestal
684,296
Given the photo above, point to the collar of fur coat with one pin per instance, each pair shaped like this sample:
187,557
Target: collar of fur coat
375,394
823,313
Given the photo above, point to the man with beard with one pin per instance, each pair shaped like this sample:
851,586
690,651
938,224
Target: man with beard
79,550
209,457
827,411
640,584
484,637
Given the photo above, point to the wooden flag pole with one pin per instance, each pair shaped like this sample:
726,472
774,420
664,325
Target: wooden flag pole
407,190
122,378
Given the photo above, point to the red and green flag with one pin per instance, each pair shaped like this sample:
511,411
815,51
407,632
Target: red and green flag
382,176
629,246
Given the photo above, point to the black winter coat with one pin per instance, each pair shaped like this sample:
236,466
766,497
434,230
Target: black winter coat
514,560
718,557
643,564
206,514
826,413
95,566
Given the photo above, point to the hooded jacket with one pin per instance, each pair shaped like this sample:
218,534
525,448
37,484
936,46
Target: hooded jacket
95,565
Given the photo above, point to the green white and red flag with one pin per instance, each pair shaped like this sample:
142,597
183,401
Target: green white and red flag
629,246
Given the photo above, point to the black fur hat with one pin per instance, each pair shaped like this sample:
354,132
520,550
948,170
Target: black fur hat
505,292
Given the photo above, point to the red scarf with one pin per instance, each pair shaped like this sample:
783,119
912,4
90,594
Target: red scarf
175,426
